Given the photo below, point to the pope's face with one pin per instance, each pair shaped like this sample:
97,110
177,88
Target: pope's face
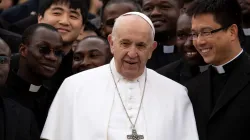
131,46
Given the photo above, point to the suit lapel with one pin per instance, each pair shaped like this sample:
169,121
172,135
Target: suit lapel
11,117
237,81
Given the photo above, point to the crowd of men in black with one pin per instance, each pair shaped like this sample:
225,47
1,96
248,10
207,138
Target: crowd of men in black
200,45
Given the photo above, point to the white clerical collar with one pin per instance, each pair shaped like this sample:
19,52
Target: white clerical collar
168,49
118,77
246,31
34,88
220,68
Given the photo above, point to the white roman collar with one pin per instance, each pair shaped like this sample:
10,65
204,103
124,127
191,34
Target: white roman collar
168,49
34,88
119,77
246,31
220,68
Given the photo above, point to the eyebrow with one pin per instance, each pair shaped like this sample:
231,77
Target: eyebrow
74,12
57,8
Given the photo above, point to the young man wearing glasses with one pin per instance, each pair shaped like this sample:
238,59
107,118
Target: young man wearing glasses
41,54
220,95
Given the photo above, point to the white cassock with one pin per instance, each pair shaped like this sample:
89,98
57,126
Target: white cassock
88,107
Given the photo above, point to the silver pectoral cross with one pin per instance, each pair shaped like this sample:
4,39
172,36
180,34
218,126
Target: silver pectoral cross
135,136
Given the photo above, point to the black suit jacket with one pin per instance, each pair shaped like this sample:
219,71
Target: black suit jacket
179,71
20,123
230,118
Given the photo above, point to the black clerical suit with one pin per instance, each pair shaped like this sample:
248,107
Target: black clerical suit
22,92
180,71
16,122
221,102
162,57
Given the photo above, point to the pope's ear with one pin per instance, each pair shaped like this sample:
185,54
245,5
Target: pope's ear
152,48
23,50
111,43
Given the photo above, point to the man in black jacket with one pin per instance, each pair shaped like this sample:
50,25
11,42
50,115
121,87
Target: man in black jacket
220,95
16,122
40,56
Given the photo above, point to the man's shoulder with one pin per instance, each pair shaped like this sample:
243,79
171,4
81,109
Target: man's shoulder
18,108
163,81
169,68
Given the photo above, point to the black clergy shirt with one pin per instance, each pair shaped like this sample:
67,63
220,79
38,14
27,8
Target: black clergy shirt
219,79
162,56
37,101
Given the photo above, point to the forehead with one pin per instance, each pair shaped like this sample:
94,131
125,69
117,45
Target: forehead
184,22
91,44
116,9
173,2
204,21
127,29
64,6
42,34
4,49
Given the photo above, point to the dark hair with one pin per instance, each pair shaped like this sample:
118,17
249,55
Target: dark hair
109,55
187,1
90,27
97,37
109,2
225,12
83,5
29,32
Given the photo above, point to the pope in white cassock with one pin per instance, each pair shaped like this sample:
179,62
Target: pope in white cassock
122,100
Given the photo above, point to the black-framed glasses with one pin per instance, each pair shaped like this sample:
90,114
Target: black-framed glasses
206,34
4,60
45,50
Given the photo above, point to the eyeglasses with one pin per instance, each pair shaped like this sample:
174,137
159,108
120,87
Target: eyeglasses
46,50
4,60
206,34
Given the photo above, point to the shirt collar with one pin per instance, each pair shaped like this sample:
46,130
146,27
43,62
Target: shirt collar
246,31
221,68
18,83
118,77
34,88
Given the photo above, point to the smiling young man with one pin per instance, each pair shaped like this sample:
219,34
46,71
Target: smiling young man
164,15
41,54
220,95
16,122
68,17
191,64
91,52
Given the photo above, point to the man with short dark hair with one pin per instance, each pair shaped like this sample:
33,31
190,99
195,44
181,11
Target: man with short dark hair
245,10
91,52
16,122
191,64
164,15
41,54
68,17
220,95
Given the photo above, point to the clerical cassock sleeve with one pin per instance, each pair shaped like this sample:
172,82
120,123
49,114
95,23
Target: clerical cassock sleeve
185,120
58,125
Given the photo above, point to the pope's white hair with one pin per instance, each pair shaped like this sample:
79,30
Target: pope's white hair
142,16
